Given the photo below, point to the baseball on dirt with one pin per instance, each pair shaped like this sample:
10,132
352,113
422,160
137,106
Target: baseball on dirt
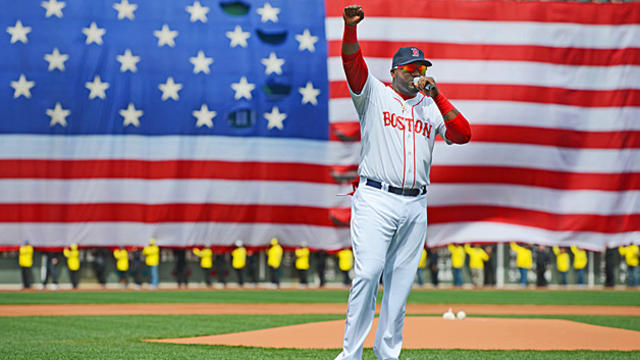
461,315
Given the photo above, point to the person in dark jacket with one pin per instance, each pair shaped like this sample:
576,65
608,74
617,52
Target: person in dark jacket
542,262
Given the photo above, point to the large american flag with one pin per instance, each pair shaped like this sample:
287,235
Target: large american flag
213,121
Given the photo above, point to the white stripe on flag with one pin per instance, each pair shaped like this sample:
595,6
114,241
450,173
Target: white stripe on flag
182,234
539,157
511,73
441,234
490,32
222,148
539,199
195,191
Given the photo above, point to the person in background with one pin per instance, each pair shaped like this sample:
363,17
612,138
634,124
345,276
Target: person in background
302,264
563,263
239,261
457,262
610,262
524,259
220,266
421,266
73,264
252,265
432,259
542,262
151,254
345,263
320,257
579,263
182,277
630,253
51,270
122,265
274,260
477,257
100,266
489,267
25,261
206,262
136,267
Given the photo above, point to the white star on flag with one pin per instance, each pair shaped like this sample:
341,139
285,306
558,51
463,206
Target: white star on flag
273,64
125,10
170,89
97,88
268,13
198,12
22,87
204,116
128,61
166,36
58,115
53,8
242,88
56,60
201,63
309,94
307,41
238,37
131,115
275,118
19,32
94,34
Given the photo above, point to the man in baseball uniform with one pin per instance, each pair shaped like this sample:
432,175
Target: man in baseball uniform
398,126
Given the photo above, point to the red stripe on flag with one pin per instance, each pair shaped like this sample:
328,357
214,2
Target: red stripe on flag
450,174
170,169
608,224
160,213
543,136
525,93
537,11
557,137
544,54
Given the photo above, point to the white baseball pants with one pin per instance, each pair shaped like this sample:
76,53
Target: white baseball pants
388,233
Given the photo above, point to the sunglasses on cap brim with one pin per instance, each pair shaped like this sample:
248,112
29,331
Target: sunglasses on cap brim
409,68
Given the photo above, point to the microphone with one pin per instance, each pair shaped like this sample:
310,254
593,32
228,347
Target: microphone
427,87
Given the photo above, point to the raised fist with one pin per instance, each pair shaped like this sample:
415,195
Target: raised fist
352,14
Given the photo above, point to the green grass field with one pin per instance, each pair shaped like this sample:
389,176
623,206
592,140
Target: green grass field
119,337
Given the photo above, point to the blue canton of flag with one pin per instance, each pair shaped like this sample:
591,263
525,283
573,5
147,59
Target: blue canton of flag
249,68
191,121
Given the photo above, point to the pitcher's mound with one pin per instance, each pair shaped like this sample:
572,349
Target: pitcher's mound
438,333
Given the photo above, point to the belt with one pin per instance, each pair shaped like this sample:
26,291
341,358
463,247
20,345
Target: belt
397,190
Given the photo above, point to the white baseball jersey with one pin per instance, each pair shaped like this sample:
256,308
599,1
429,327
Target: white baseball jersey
397,135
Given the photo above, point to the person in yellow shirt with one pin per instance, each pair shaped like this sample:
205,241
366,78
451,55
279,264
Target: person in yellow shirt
302,263
25,261
630,254
151,254
457,262
579,263
239,261
206,262
422,265
477,257
563,262
274,259
122,265
73,263
524,259
345,263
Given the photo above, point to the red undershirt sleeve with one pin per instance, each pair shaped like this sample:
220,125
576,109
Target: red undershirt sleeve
458,128
354,66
